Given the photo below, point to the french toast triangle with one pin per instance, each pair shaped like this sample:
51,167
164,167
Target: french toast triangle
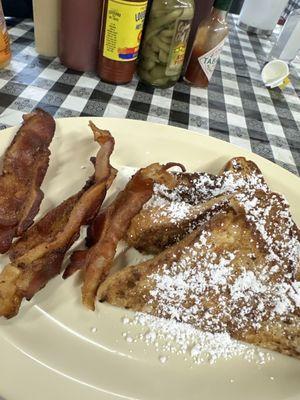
170,214
234,273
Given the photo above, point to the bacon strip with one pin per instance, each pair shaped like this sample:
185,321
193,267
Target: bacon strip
112,227
38,256
25,165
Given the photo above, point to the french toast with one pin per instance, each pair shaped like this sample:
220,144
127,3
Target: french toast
235,274
170,214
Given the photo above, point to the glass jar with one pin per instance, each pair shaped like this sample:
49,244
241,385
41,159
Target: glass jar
164,42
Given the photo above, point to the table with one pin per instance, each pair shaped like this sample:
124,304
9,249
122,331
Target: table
236,107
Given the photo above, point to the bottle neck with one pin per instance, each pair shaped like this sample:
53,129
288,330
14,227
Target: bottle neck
219,14
222,5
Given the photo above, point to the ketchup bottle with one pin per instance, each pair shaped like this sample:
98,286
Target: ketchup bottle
120,35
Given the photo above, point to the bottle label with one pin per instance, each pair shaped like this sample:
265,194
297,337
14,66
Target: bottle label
209,60
123,31
178,47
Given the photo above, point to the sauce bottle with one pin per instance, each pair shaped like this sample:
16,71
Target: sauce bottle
208,44
45,15
121,30
202,11
5,54
79,34
165,40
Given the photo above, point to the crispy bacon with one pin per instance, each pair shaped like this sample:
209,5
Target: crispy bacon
24,167
47,228
77,262
38,256
112,226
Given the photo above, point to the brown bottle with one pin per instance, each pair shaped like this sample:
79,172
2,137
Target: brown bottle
79,34
121,30
202,11
208,44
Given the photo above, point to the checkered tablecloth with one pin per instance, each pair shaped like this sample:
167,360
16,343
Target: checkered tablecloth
236,107
291,6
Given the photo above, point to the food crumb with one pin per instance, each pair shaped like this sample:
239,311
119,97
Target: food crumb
129,339
125,320
163,359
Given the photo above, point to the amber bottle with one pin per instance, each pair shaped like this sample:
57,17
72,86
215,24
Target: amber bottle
202,11
5,54
208,44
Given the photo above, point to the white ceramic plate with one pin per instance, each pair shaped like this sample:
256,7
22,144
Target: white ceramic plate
50,352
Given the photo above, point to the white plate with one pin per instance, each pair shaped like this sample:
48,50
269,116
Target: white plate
49,351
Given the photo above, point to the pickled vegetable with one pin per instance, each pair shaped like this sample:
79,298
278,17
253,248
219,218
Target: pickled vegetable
164,43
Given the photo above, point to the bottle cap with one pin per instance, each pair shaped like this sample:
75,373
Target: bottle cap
222,4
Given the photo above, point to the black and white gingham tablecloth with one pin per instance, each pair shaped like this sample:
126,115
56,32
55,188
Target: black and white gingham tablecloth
291,6
236,107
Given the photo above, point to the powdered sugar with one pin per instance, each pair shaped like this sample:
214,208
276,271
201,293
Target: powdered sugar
271,218
227,289
177,204
216,288
171,337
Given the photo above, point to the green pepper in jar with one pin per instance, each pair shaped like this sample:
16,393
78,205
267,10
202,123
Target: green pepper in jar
164,43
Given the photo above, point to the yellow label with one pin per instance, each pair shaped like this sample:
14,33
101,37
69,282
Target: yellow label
285,82
178,46
124,25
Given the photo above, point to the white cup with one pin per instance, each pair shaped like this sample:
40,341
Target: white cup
261,16
275,73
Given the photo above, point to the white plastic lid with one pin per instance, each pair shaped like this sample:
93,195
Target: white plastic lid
274,73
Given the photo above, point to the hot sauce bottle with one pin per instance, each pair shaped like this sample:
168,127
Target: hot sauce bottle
121,31
5,54
208,44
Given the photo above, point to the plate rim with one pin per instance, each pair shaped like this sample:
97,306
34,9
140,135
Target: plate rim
180,130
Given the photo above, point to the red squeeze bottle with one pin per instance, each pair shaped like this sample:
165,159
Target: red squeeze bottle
121,30
79,34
